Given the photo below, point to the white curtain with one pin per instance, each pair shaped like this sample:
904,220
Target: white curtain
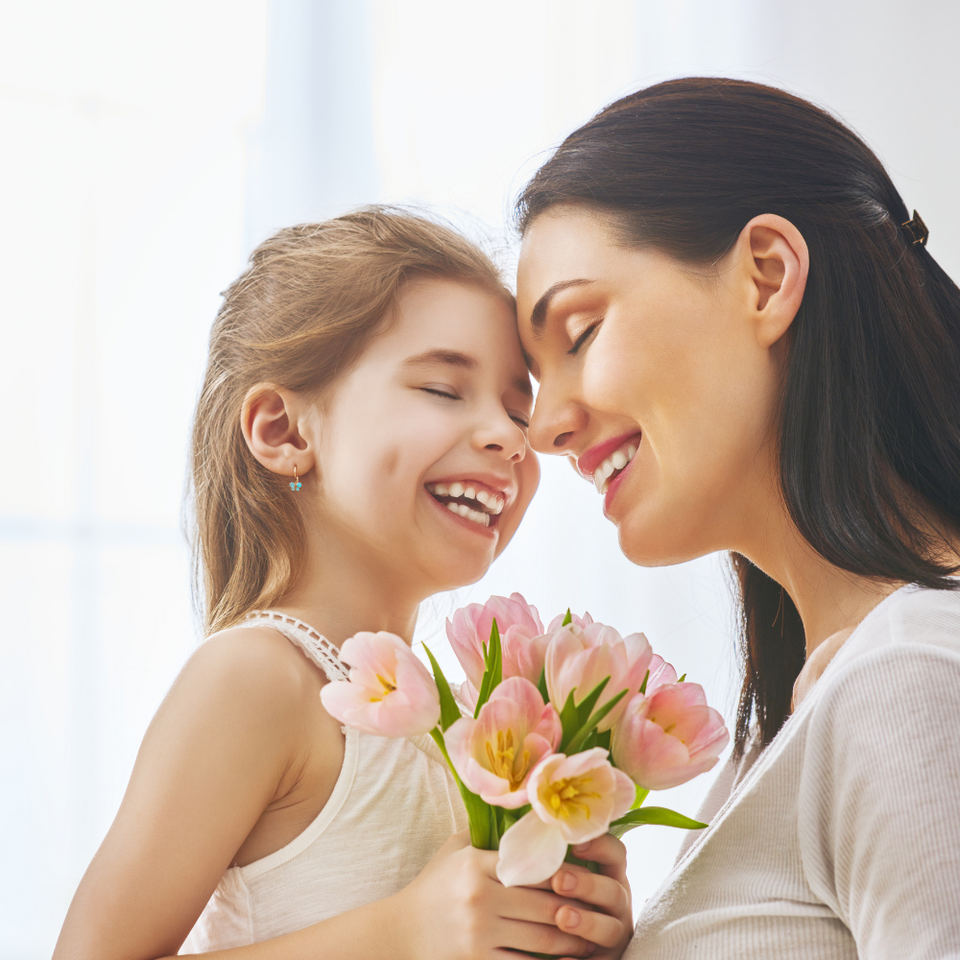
148,147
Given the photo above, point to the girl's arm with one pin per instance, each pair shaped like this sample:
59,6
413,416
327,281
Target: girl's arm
227,742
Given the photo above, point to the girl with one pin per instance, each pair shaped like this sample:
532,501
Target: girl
742,339
359,444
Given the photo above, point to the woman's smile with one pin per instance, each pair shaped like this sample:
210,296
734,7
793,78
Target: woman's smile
648,379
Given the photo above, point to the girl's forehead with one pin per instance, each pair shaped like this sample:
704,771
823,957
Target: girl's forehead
434,318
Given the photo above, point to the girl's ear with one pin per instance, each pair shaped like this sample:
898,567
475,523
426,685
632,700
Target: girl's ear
774,262
273,421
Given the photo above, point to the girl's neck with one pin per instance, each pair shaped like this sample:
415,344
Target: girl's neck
342,591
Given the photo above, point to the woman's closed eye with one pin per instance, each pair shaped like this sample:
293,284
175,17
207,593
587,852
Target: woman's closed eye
584,337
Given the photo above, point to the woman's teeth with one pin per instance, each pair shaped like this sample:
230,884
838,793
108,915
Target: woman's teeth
617,460
487,504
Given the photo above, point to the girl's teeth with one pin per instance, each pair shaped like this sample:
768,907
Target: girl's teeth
477,516
456,489
619,460
470,493
440,490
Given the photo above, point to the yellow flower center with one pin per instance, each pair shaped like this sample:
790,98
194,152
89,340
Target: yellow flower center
386,688
504,761
567,795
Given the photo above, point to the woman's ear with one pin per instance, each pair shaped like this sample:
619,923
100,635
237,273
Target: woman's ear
774,262
275,426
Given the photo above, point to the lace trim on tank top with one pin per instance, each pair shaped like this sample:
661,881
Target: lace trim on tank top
317,647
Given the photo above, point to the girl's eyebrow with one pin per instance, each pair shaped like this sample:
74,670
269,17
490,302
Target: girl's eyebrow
454,358
447,358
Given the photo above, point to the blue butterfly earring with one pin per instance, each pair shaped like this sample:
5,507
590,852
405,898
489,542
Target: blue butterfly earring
295,483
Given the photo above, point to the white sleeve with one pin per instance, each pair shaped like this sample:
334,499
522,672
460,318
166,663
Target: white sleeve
879,802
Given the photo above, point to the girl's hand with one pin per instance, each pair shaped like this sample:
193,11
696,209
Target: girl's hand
609,920
457,909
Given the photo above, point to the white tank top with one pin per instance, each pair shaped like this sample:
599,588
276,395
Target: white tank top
394,804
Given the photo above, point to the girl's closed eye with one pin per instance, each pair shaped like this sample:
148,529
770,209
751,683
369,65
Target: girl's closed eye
447,392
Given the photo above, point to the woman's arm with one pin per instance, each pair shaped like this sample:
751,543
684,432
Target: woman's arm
879,801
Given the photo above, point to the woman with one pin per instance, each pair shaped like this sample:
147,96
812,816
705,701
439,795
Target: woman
741,337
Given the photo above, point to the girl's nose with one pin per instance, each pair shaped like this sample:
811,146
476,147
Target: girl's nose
503,435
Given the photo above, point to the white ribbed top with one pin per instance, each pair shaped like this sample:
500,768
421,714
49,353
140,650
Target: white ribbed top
842,839
393,806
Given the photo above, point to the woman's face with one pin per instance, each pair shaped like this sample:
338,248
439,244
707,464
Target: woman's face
652,378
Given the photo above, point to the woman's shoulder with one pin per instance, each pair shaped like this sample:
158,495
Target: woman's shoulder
911,618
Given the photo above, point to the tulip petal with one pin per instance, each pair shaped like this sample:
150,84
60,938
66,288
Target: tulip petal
531,851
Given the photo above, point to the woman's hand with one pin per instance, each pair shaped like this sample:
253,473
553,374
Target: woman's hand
457,909
609,920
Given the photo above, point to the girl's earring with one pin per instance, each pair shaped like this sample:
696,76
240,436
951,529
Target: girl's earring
295,483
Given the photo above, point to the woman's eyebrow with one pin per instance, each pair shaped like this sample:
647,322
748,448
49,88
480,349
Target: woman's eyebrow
539,313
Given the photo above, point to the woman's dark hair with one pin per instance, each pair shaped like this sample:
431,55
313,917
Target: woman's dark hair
869,433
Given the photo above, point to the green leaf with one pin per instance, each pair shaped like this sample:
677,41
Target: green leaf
586,705
639,798
657,815
603,739
643,686
595,718
493,674
567,618
449,711
577,743
568,722
684,677
483,833
542,686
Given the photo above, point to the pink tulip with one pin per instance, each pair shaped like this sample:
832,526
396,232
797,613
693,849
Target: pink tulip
668,736
573,799
557,622
390,693
495,754
578,658
518,623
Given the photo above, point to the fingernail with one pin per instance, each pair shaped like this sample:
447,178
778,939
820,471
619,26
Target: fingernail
566,882
571,917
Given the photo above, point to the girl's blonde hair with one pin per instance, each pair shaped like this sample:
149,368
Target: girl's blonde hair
298,318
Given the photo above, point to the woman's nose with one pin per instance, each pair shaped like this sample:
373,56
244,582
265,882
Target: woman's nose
554,423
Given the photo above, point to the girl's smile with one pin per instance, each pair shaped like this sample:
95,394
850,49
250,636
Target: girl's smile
422,449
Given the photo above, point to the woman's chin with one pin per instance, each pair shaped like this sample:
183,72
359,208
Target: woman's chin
657,544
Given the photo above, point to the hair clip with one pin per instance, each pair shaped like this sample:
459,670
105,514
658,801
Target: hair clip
916,229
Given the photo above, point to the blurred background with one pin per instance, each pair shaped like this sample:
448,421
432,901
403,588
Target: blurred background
147,148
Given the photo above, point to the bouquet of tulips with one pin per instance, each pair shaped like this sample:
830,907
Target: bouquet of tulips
571,727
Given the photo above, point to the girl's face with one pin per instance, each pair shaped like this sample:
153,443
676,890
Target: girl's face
423,462
650,379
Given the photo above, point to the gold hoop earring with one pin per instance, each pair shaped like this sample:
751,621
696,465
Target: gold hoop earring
295,483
